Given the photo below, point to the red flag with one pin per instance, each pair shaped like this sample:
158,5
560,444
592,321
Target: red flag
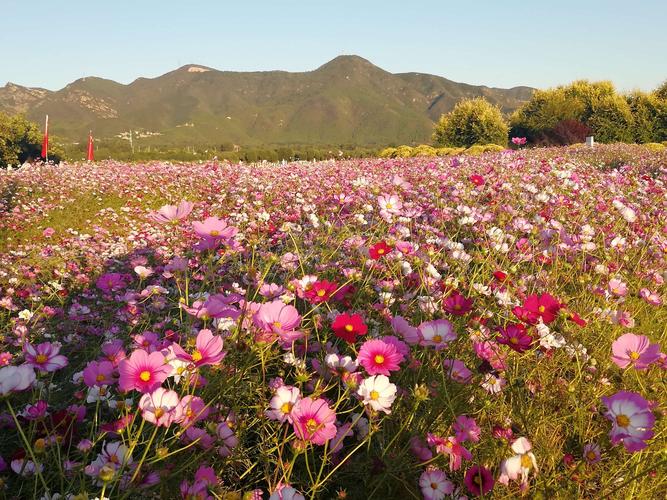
91,154
45,142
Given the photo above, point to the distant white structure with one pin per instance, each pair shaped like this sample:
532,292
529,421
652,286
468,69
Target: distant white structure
590,141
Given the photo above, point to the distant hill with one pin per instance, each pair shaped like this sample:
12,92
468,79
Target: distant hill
346,101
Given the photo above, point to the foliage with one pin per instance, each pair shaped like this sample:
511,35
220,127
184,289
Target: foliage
21,141
472,121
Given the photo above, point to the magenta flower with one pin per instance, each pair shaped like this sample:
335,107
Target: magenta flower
409,333
114,351
479,480
143,371
208,350
172,213
110,282
277,317
98,373
193,409
457,305
515,337
313,420
161,407
451,446
466,429
379,357
634,350
44,357
216,306
617,287
519,141
631,418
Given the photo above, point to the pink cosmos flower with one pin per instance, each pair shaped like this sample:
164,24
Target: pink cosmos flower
193,409
631,418
466,429
591,453
98,373
15,378
519,141
114,351
216,306
321,291
161,407
420,449
277,317
437,333
434,484
379,357
636,350
617,287
143,371
313,420
172,213
451,447
457,370
44,357
271,290
390,204
650,297
207,351
214,228
535,307
409,333
228,438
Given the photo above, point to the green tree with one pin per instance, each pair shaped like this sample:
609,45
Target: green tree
472,121
649,114
21,141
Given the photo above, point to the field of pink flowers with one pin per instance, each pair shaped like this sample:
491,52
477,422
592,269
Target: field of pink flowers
486,326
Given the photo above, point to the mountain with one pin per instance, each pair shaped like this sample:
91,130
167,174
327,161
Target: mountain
346,101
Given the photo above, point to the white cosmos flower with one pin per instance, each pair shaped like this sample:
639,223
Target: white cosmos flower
377,392
282,403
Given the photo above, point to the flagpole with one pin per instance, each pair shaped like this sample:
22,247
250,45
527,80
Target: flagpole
45,142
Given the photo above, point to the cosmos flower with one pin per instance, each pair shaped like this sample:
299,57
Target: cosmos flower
110,282
515,337
44,357
520,465
277,317
631,418
437,333
535,307
634,350
409,333
348,327
321,291
207,351
16,378
435,485
478,480
161,407
457,370
143,371
466,429
98,373
378,393
457,305
282,402
379,250
172,213
379,357
313,420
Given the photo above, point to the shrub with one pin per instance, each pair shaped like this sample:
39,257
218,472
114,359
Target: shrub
472,121
387,153
655,147
403,152
424,150
21,141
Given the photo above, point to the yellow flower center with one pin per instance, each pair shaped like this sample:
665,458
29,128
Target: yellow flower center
215,233
41,358
541,309
277,324
99,377
349,328
145,375
526,462
374,395
196,355
434,486
286,407
379,359
634,355
622,420
514,340
158,412
437,338
457,307
311,425
380,251
591,455
389,206
321,293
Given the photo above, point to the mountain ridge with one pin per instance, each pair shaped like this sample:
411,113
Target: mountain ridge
345,100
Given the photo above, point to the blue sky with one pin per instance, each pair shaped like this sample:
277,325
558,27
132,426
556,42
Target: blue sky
497,43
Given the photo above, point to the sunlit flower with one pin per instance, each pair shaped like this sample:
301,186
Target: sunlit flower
435,485
313,420
378,393
631,418
44,357
379,357
161,407
634,350
142,371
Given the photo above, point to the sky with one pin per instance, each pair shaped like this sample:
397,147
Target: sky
485,42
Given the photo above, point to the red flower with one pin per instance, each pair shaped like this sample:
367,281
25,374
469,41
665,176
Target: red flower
574,317
348,326
515,336
538,306
457,304
476,179
500,276
379,250
321,291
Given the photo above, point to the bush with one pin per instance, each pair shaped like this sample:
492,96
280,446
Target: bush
403,152
472,121
424,150
387,153
21,141
655,147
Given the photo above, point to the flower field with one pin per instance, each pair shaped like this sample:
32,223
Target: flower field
488,326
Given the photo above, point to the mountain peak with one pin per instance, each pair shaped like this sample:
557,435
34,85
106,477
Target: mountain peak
347,61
